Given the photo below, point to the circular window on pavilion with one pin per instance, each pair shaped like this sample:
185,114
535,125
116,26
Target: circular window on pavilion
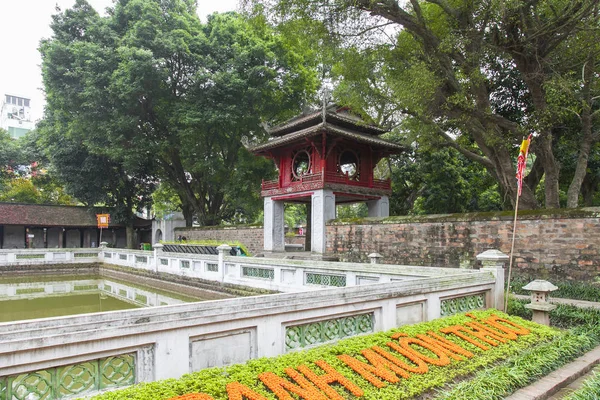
349,164
301,164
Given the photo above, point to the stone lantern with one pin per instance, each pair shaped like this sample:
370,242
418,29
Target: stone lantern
540,294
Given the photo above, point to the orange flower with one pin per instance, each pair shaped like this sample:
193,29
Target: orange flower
193,396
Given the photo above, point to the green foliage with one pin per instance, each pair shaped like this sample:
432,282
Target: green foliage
589,390
165,201
20,190
151,89
356,210
439,181
214,380
23,176
455,74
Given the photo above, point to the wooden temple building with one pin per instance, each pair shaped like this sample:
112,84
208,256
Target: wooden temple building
324,158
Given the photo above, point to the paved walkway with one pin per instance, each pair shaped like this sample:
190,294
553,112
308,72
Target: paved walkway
575,385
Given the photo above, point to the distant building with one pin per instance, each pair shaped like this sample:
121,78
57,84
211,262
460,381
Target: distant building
15,115
50,226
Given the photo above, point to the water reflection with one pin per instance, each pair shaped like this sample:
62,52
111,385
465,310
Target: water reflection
22,299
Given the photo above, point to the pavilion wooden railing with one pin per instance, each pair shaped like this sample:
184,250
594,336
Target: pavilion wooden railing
331,177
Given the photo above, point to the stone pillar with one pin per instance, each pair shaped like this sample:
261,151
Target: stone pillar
323,209
379,208
274,225
158,250
308,234
494,261
223,250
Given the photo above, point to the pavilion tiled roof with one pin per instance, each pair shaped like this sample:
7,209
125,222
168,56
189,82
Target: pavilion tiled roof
318,129
332,115
55,216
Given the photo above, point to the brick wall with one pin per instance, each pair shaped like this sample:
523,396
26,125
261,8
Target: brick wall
559,244
251,236
555,244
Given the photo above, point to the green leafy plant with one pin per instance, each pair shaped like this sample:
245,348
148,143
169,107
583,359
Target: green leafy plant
589,390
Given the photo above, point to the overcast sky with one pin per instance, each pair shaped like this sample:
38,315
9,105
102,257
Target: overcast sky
24,23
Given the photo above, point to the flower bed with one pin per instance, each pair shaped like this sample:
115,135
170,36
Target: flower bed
398,364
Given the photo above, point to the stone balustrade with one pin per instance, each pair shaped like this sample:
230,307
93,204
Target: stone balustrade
329,301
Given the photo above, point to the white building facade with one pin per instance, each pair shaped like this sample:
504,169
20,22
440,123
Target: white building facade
15,115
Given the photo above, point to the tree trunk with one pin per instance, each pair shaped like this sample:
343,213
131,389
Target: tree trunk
588,190
188,213
587,138
551,170
129,232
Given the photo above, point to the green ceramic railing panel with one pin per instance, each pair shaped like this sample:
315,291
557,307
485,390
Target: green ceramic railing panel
462,304
85,255
76,379
30,256
313,333
107,255
253,272
2,388
164,261
325,280
30,290
71,380
141,259
117,371
212,267
85,287
141,298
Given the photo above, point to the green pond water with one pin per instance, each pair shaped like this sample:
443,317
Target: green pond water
54,296
16,310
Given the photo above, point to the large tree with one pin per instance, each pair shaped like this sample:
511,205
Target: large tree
450,69
150,82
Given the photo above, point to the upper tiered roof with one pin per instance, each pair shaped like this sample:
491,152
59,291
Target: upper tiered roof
336,120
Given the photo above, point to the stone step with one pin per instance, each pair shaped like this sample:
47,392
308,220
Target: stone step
575,385
554,382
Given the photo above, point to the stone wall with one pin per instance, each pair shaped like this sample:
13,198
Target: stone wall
251,236
553,244
49,269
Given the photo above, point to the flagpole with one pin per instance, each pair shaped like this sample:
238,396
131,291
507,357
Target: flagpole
512,249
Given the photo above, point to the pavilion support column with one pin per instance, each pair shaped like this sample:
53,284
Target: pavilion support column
323,210
308,234
379,208
274,225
